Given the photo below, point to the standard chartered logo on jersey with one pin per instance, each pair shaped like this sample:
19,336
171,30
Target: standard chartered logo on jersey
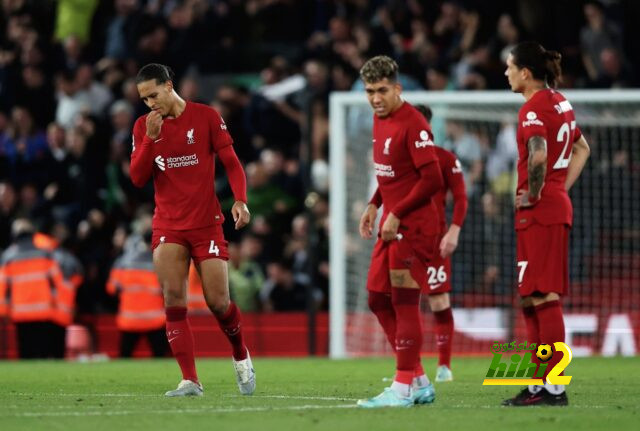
383,170
176,162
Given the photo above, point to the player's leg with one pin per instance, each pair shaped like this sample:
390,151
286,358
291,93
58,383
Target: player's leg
379,288
209,251
213,273
381,302
543,278
171,263
441,307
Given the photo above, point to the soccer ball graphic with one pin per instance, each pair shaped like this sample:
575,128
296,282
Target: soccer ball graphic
544,352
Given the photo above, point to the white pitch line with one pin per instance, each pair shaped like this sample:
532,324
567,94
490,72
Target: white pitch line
173,411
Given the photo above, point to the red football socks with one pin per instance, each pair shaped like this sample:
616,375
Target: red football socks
444,335
181,341
408,332
380,304
551,326
231,326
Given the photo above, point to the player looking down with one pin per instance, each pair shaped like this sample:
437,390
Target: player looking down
176,144
408,174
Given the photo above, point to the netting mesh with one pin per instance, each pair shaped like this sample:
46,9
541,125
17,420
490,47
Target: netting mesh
602,309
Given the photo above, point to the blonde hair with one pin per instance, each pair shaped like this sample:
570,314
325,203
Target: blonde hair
378,68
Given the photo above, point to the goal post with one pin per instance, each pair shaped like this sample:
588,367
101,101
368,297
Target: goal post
602,311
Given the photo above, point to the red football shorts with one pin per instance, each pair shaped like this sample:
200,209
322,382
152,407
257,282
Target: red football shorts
543,259
204,243
411,252
438,275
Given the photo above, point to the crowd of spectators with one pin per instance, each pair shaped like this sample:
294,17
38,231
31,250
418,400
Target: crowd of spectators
68,101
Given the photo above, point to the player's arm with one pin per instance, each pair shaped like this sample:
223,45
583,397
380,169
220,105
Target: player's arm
455,182
537,169
142,151
238,183
424,189
579,155
368,219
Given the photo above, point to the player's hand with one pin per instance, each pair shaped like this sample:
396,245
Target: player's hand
154,124
524,200
367,221
449,241
240,214
390,228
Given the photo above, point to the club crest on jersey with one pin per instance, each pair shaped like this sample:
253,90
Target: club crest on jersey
425,140
532,120
190,138
387,144
457,169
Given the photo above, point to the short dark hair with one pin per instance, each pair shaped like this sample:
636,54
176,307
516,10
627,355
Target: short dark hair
159,72
543,64
378,68
425,111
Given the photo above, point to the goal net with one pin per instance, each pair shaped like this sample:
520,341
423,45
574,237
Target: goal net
602,310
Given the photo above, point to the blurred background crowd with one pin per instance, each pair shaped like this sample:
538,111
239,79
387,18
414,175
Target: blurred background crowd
68,101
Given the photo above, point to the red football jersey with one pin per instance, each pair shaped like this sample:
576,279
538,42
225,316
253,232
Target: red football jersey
402,143
550,115
183,164
454,181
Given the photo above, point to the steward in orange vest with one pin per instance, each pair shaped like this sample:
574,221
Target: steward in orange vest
31,284
141,310
72,273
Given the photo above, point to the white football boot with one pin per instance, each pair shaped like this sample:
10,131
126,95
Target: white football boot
245,375
186,388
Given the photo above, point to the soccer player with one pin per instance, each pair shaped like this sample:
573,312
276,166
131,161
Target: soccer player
408,174
439,269
177,143
552,154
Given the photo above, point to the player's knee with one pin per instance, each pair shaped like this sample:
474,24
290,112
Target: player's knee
174,296
402,278
218,304
439,302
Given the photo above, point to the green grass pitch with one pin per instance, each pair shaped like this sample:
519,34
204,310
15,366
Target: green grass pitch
299,394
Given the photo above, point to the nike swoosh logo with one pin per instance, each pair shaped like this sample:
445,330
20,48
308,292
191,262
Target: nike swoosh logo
435,286
171,339
158,140
402,348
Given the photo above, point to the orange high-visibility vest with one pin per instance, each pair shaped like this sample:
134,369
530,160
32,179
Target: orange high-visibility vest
141,301
195,298
71,272
73,275
30,283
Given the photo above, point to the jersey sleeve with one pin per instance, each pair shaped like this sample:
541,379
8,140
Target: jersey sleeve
577,134
141,155
220,136
531,122
420,142
455,182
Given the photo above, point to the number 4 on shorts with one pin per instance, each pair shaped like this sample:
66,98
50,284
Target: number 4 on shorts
213,248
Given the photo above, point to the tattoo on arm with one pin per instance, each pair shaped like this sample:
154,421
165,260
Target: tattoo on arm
537,170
